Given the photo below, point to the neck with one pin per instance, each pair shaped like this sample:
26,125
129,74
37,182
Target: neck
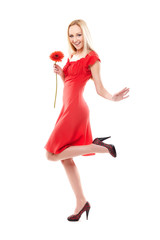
78,52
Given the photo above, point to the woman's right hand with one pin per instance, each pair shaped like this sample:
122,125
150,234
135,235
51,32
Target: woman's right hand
57,69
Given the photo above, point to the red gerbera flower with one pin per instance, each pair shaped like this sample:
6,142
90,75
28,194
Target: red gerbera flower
56,56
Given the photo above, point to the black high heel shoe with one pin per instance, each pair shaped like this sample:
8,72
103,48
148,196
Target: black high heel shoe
76,217
110,147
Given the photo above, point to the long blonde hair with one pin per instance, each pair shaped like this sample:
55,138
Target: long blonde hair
86,36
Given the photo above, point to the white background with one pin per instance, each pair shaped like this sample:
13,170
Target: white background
36,197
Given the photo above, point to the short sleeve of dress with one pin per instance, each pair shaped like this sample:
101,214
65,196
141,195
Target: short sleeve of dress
92,58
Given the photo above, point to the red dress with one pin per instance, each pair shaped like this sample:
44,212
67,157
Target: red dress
72,127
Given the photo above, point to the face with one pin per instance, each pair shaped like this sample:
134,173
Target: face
76,37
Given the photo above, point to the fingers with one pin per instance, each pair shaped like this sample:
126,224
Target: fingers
126,97
56,68
124,90
122,94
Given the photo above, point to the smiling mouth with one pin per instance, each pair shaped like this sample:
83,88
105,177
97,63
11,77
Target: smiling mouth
77,44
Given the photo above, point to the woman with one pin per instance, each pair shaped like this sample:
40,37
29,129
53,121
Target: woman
72,134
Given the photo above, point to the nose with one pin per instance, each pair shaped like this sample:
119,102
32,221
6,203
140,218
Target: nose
75,39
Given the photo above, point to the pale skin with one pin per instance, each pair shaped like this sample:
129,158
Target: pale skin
66,156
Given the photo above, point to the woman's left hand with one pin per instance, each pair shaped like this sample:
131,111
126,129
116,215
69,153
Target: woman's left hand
120,95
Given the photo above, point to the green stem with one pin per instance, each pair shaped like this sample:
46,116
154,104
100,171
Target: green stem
56,90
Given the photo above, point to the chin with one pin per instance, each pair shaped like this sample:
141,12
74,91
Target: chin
79,49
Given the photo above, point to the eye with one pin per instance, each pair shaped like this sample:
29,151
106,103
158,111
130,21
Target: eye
79,34
70,36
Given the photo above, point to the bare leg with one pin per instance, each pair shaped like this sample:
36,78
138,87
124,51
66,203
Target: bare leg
74,178
74,151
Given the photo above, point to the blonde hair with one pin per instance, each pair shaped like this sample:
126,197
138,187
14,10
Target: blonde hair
86,36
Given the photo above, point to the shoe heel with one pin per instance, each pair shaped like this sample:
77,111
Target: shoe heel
111,149
114,150
102,139
87,213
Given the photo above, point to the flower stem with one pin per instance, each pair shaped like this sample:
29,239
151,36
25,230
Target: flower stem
56,90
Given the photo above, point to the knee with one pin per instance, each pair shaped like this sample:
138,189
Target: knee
48,155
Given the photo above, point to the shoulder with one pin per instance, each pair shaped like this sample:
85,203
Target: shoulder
92,53
92,57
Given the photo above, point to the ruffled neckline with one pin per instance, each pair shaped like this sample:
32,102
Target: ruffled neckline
80,58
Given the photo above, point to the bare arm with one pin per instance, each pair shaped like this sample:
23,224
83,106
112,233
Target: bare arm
95,70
